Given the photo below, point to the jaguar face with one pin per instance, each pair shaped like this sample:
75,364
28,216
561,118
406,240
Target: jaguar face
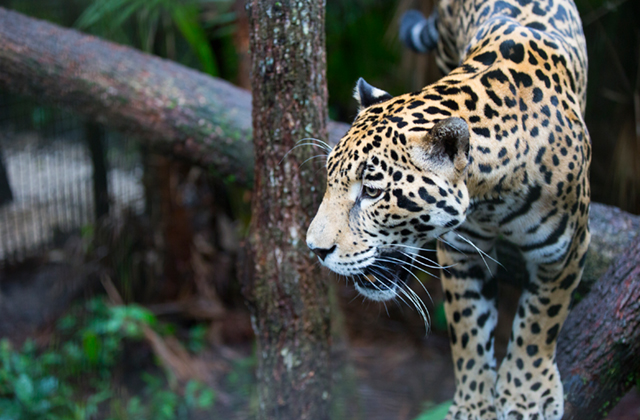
391,187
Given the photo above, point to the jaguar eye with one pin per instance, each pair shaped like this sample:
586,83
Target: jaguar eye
370,192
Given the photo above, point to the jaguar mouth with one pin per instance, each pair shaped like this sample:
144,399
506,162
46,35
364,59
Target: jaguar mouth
384,274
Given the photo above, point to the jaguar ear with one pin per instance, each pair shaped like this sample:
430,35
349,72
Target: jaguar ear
450,140
367,95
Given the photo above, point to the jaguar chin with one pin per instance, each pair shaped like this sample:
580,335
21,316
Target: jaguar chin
382,279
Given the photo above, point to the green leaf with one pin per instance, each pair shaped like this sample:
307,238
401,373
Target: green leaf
186,19
134,408
141,314
67,322
435,413
48,385
440,318
91,346
24,388
40,407
197,337
9,410
98,11
206,399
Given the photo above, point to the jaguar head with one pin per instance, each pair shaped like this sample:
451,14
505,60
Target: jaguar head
395,181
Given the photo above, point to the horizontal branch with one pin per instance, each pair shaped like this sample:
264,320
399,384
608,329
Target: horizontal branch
169,107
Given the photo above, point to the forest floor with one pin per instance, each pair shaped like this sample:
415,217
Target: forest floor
386,366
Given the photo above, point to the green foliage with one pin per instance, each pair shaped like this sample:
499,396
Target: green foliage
113,19
163,404
241,383
27,390
197,338
72,380
435,412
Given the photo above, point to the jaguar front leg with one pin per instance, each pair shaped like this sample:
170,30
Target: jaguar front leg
470,305
528,386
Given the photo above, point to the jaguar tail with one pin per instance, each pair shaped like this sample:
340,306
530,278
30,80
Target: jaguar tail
419,33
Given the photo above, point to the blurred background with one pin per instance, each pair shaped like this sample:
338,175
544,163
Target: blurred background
119,291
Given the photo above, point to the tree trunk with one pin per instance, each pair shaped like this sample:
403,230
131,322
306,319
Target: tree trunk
289,296
600,342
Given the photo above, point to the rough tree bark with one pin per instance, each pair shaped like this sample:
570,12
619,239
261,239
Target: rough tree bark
207,121
599,349
289,295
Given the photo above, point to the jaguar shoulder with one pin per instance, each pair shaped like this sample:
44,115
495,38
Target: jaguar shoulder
497,147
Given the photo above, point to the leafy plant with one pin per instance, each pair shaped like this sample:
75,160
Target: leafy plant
72,380
110,18
30,388
164,404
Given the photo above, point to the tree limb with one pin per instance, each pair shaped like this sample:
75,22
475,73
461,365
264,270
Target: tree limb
168,106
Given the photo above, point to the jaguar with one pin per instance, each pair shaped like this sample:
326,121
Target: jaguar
497,148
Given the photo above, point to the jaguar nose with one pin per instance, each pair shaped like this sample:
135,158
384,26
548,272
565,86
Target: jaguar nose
323,252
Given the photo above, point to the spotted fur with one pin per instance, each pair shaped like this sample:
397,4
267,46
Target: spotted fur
496,148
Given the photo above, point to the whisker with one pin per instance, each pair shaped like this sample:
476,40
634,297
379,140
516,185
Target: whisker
373,268
424,264
411,295
451,245
481,253
427,292
374,285
423,309
414,247
311,158
417,303
400,262
321,145
479,250
418,280
414,276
